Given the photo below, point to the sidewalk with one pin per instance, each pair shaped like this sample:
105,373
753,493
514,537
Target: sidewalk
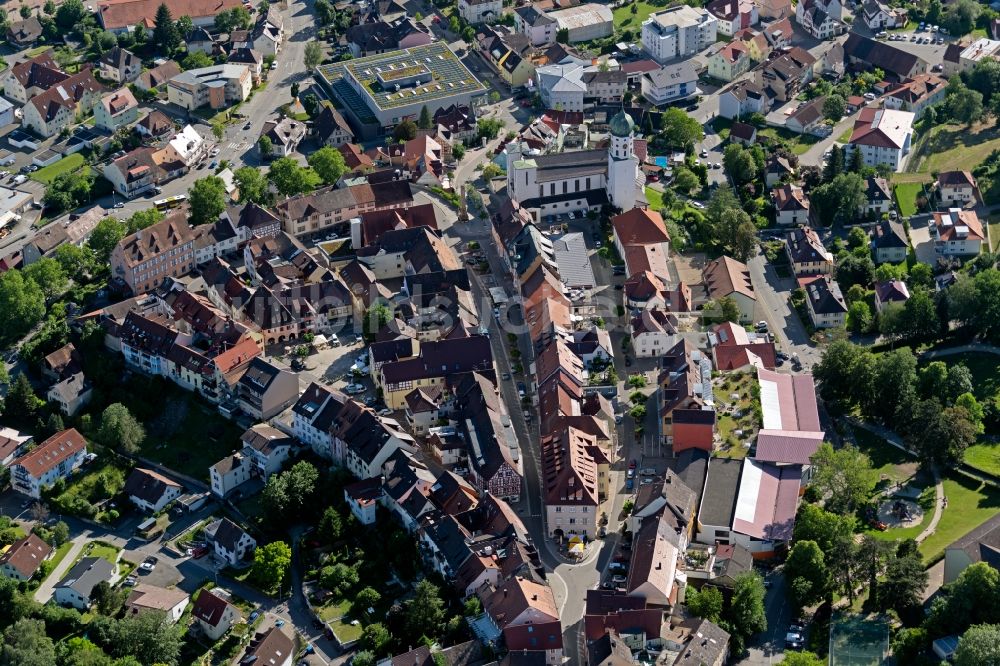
44,591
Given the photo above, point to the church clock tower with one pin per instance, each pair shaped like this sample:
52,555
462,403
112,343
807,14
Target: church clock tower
623,165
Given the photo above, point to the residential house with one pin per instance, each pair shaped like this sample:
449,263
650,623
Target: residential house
157,76
365,39
669,83
25,32
735,349
228,474
727,278
265,36
266,449
729,62
779,33
367,441
434,363
785,74
809,119
213,614
248,58
525,614
217,87
32,76
570,484
686,403
743,133
230,542
78,584
149,490
536,25
701,641
266,390
144,598
756,43
879,16
56,108
791,205
71,393
890,242
119,65
652,332
12,445
116,110
733,15
495,465
273,647
979,545
200,40
806,253
958,232
678,32
742,100
890,291
823,19
325,208
73,228
775,9
146,258
363,498
777,169
285,135
917,94
313,415
827,308
56,458
423,409
957,188
879,196
154,125
24,557
480,11
330,128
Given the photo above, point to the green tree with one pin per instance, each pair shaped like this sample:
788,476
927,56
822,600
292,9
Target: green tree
802,659
979,645
270,564
960,16
363,658
834,107
328,163
740,164
405,131
290,179
458,151
196,60
120,430
21,400
252,185
48,274
722,310
685,180
968,402
705,603
425,122
59,534
679,130
489,128
25,644
150,638
806,573
339,578
843,476
143,219
424,613
184,26
834,164
165,30
207,199
964,104
905,580
330,526
940,436
106,599
377,316
265,146
736,233
367,598
105,237
70,15
746,615
376,638
823,527
857,238
859,317
313,55
840,200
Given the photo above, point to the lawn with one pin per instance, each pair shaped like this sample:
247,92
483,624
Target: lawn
100,482
335,610
970,504
985,369
891,464
799,143
68,164
846,136
60,555
984,456
953,147
906,197
742,385
655,198
926,502
189,437
99,549
626,20
994,230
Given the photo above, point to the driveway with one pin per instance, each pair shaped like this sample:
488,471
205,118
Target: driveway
772,306
920,235
769,647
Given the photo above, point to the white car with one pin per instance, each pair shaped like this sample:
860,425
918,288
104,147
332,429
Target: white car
703,153
215,152
354,389
697,204
147,566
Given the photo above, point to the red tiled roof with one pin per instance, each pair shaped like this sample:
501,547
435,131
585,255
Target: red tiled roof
57,448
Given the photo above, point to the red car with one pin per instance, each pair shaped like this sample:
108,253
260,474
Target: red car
653,178
200,552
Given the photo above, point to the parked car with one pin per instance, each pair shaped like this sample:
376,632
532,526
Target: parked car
354,389
794,641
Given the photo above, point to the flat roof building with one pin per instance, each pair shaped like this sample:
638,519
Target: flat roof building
380,91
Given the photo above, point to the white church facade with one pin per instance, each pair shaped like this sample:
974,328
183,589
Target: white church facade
581,181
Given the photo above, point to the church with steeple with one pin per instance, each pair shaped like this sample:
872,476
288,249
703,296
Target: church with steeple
578,181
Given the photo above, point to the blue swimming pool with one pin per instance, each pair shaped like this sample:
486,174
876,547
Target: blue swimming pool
660,161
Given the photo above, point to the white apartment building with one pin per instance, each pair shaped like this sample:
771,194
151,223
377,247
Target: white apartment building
678,32
883,136
55,458
480,11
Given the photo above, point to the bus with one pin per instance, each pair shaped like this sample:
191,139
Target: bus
170,202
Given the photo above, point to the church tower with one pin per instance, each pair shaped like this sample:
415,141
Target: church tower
623,166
